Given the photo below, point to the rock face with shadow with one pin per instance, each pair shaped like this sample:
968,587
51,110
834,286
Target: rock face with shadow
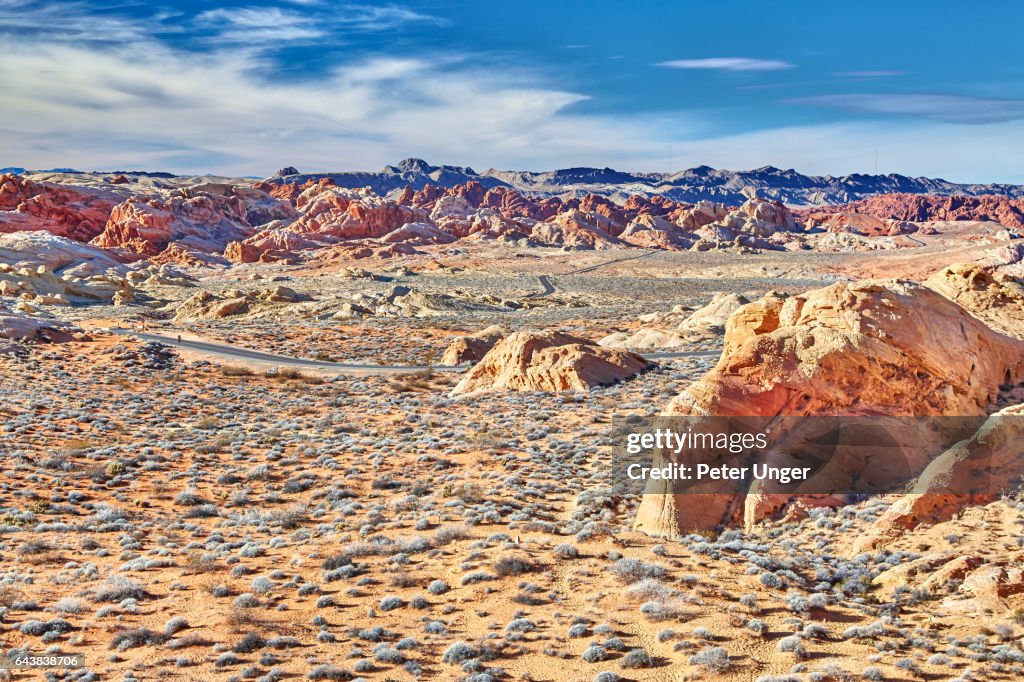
874,347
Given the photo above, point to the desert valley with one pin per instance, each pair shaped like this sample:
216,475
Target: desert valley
359,426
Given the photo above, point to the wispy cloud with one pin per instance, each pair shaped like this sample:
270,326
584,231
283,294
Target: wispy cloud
252,25
381,18
728,64
937,107
871,74
91,107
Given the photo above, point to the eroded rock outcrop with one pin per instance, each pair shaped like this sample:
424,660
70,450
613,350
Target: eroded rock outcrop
56,254
78,213
472,347
198,220
863,348
995,298
576,230
924,208
23,329
548,361
205,305
974,471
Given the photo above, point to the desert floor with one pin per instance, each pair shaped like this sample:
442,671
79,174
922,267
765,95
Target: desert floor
175,515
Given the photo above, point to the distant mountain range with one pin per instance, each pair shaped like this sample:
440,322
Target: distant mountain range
691,185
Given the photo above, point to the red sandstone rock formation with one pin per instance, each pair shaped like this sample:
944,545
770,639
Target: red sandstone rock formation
78,213
199,220
863,348
924,208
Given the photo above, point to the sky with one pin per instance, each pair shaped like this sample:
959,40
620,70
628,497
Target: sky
242,88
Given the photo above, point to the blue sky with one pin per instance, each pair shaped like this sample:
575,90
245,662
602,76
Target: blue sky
930,88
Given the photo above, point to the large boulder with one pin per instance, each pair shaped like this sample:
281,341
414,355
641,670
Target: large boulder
15,327
861,348
868,347
472,347
549,361
711,318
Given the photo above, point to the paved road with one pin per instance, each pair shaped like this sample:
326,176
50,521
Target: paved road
549,288
242,353
545,282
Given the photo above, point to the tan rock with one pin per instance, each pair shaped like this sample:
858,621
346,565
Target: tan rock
971,472
548,361
711,318
864,348
472,347
993,297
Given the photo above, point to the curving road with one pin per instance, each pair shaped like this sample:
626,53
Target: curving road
548,287
545,282
242,353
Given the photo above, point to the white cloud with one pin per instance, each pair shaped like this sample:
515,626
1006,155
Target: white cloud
728,64
158,107
254,26
871,74
937,107
135,102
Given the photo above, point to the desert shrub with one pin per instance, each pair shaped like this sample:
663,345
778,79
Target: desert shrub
757,626
406,643
637,658
607,676
792,645
435,627
712,659
566,551
872,673
578,630
117,589
520,625
386,654
226,659
175,625
634,570
38,628
262,585
459,652
246,600
515,565
135,637
594,654
814,631
371,634
251,642
909,665
391,603
476,577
